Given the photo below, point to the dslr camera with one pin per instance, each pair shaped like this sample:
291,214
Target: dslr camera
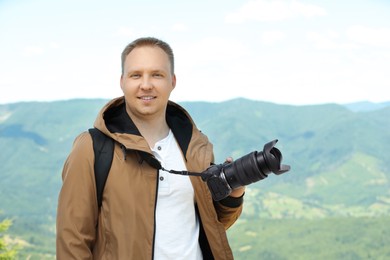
223,178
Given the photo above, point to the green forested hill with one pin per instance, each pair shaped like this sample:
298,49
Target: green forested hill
339,159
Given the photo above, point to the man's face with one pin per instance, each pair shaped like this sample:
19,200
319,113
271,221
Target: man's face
147,82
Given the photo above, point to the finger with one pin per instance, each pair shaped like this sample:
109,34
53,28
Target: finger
229,159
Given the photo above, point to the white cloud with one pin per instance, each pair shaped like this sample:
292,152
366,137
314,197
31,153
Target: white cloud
125,32
212,49
271,37
306,10
211,69
179,27
378,37
322,40
329,40
35,51
276,10
54,45
31,51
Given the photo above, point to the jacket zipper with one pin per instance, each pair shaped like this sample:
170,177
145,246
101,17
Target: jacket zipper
155,208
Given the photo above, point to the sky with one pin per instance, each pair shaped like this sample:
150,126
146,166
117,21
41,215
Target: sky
297,52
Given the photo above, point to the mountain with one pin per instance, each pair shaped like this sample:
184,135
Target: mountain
366,106
339,161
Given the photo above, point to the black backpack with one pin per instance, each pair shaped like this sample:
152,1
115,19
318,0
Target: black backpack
103,148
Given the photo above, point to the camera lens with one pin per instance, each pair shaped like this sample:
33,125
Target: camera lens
245,170
254,166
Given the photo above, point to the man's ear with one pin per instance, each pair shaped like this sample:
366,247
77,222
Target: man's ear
121,82
173,81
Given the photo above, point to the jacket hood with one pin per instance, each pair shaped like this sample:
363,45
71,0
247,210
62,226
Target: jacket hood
114,121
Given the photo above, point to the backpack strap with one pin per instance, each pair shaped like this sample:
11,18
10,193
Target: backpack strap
103,148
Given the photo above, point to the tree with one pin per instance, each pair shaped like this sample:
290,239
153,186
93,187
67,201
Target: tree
7,252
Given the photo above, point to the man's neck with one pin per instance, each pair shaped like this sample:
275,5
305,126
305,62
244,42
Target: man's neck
153,130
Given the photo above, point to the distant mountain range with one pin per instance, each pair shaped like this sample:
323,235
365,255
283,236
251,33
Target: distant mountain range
339,157
366,106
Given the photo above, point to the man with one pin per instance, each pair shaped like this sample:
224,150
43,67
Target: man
146,213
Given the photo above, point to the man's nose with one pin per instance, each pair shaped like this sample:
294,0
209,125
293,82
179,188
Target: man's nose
146,83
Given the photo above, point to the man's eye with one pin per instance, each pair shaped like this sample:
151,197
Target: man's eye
135,76
157,75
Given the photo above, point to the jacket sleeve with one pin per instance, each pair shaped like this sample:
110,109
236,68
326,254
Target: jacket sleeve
229,210
77,211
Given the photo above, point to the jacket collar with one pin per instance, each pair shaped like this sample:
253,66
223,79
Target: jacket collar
115,122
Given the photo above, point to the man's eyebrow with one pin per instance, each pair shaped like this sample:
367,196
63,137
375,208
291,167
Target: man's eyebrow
155,70
133,71
158,70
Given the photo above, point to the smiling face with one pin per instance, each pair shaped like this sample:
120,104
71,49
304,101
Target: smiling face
147,83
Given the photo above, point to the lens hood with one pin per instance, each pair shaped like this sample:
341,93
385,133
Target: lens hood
273,158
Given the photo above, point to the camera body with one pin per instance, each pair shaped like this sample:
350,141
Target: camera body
221,179
216,181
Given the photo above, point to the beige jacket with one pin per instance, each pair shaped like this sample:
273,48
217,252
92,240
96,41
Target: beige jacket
124,227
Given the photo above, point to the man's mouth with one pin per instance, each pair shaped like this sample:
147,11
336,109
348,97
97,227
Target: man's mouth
147,98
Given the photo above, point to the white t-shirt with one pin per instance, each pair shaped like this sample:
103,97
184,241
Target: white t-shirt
177,225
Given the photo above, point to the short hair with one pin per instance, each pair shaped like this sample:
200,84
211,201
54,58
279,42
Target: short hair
152,42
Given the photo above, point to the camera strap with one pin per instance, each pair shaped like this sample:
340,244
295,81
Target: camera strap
152,161
182,172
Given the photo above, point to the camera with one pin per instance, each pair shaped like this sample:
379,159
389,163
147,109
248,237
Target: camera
223,178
